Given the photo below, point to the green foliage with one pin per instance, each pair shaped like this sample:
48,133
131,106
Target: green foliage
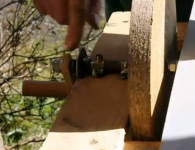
28,42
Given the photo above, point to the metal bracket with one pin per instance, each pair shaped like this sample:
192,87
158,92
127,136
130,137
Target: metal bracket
84,66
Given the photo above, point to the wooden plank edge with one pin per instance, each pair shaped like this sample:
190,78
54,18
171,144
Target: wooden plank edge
140,145
181,33
96,141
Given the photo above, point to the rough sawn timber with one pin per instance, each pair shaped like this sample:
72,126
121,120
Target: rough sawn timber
95,113
152,35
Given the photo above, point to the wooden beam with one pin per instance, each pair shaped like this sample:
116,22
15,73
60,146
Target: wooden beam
114,37
152,36
136,145
60,140
95,113
181,33
179,131
66,58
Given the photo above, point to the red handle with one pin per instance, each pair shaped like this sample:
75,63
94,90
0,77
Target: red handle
44,89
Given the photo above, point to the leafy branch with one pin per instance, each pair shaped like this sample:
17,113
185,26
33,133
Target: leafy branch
28,42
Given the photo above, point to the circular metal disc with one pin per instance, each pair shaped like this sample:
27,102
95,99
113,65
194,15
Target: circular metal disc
80,65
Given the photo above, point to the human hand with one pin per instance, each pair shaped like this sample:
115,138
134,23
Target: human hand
73,13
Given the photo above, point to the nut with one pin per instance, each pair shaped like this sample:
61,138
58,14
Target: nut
124,70
98,66
172,66
56,65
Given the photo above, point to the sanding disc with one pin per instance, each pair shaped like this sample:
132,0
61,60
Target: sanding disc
152,35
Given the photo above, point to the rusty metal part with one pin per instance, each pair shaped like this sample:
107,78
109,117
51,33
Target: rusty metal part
102,67
66,59
77,68
44,89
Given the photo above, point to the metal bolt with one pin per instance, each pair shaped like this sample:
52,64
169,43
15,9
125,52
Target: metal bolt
99,58
124,70
97,73
172,66
56,63
124,75
98,66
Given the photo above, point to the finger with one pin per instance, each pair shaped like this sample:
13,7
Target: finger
40,7
59,11
77,13
93,15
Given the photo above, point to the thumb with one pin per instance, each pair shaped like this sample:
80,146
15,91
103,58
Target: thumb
77,15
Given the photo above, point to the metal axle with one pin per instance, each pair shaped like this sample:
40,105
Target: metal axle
85,66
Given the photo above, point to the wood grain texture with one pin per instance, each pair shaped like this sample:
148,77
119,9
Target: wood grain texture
181,33
138,145
113,43
95,114
44,89
94,104
102,140
152,34
139,69
66,58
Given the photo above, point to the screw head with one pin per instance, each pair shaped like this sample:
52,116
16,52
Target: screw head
172,66
97,73
56,65
124,75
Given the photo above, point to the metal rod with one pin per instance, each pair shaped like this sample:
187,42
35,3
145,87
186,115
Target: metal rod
44,89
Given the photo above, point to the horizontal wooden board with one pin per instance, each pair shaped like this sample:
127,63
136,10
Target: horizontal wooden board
95,114
62,141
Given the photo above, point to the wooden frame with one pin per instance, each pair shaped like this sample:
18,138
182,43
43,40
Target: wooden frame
64,136
95,114
179,131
